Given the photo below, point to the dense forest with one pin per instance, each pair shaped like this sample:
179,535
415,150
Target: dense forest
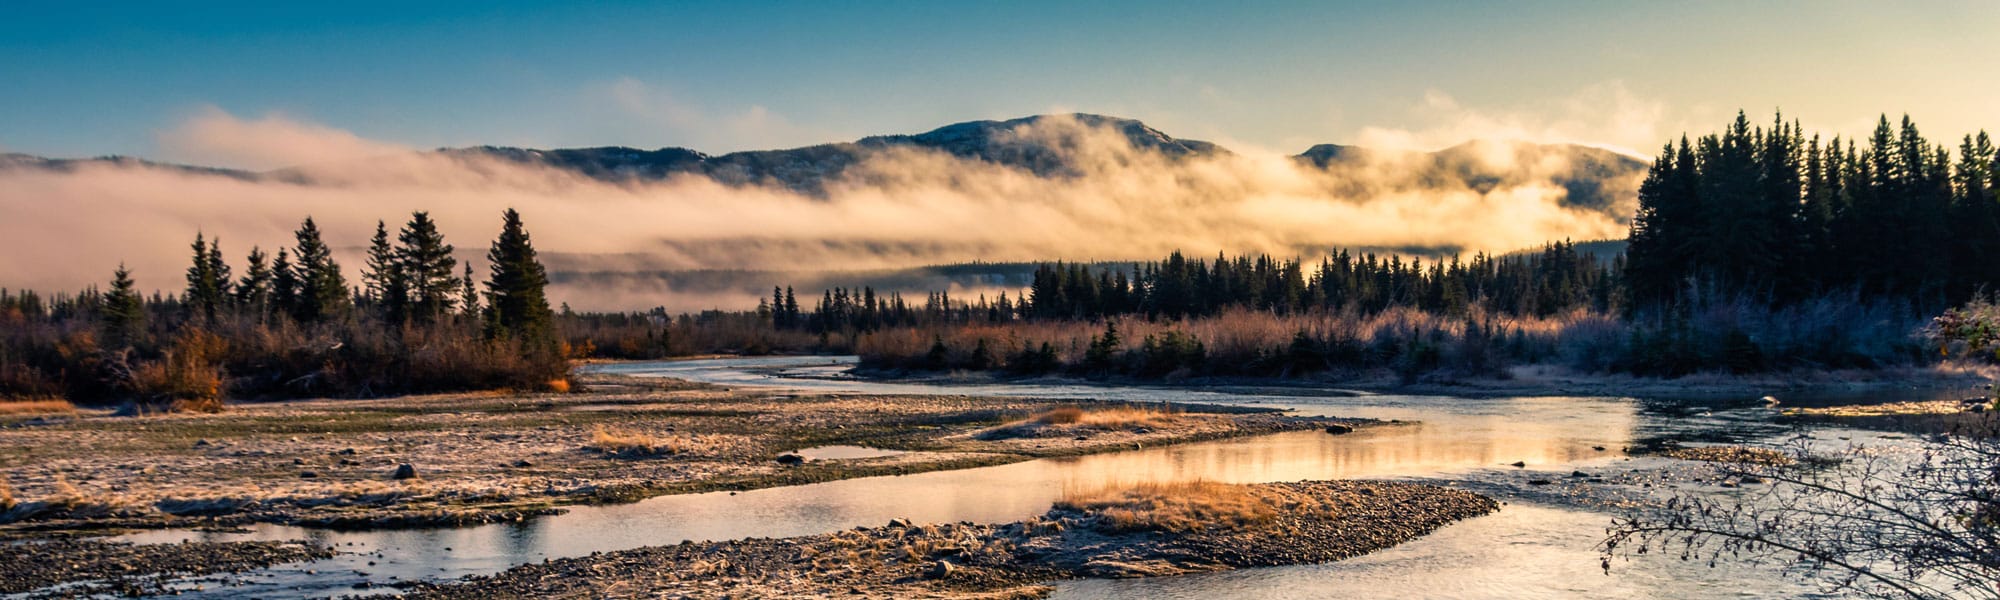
1754,249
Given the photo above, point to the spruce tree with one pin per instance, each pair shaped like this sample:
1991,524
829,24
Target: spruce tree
224,286
253,293
323,293
431,272
517,306
285,285
384,279
468,295
124,310
204,295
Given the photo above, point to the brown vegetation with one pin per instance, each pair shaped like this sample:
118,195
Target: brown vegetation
1109,417
1175,507
629,442
37,407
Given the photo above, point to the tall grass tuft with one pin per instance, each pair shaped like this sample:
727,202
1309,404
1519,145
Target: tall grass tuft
1172,507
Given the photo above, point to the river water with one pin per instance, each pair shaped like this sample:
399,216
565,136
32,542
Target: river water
1539,545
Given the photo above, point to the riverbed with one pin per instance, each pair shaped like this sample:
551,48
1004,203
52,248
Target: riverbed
1541,545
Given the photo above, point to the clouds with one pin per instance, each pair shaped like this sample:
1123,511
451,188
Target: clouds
899,207
1607,115
216,138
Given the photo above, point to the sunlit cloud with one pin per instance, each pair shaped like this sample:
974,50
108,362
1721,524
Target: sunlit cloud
897,208
216,138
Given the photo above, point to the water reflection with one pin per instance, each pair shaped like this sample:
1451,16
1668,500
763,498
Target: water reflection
1463,439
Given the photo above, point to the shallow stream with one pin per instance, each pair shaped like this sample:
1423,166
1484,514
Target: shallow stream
1540,545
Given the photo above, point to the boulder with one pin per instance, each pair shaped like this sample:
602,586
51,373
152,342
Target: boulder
405,471
940,570
1339,429
791,459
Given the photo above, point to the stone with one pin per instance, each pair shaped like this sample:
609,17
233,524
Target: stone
1539,482
405,471
308,474
940,570
899,523
791,459
202,443
1578,474
1338,429
1519,464
523,464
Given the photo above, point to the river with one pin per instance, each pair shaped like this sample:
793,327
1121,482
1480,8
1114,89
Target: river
1539,545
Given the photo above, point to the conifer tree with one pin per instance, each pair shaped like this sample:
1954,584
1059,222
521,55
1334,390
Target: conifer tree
204,287
431,271
285,285
384,279
124,310
517,306
468,295
253,293
322,293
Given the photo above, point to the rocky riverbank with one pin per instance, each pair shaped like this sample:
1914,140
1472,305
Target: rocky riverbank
1120,533
463,459
95,568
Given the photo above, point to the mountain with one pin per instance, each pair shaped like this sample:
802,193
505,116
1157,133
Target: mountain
1596,179
808,169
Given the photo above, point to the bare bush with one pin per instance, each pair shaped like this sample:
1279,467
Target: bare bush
1921,523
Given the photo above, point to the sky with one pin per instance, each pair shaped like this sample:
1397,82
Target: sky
88,79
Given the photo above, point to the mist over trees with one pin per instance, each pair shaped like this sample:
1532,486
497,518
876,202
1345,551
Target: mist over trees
292,326
1754,249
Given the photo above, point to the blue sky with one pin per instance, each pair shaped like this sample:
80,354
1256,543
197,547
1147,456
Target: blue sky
83,79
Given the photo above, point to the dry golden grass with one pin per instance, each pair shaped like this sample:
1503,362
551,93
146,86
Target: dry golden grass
37,407
627,442
1116,417
1181,506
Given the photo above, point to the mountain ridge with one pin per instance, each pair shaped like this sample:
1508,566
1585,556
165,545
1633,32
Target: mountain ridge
807,169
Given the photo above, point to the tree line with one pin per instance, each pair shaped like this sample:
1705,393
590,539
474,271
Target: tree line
1777,215
291,325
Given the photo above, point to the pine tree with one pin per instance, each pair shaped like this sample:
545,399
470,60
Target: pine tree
517,306
430,269
322,293
124,310
253,293
204,290
384,279
285,285
224,285
468,295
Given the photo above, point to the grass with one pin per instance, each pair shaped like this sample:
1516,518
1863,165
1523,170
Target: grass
627,442
37,407
1173,507
1116,417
